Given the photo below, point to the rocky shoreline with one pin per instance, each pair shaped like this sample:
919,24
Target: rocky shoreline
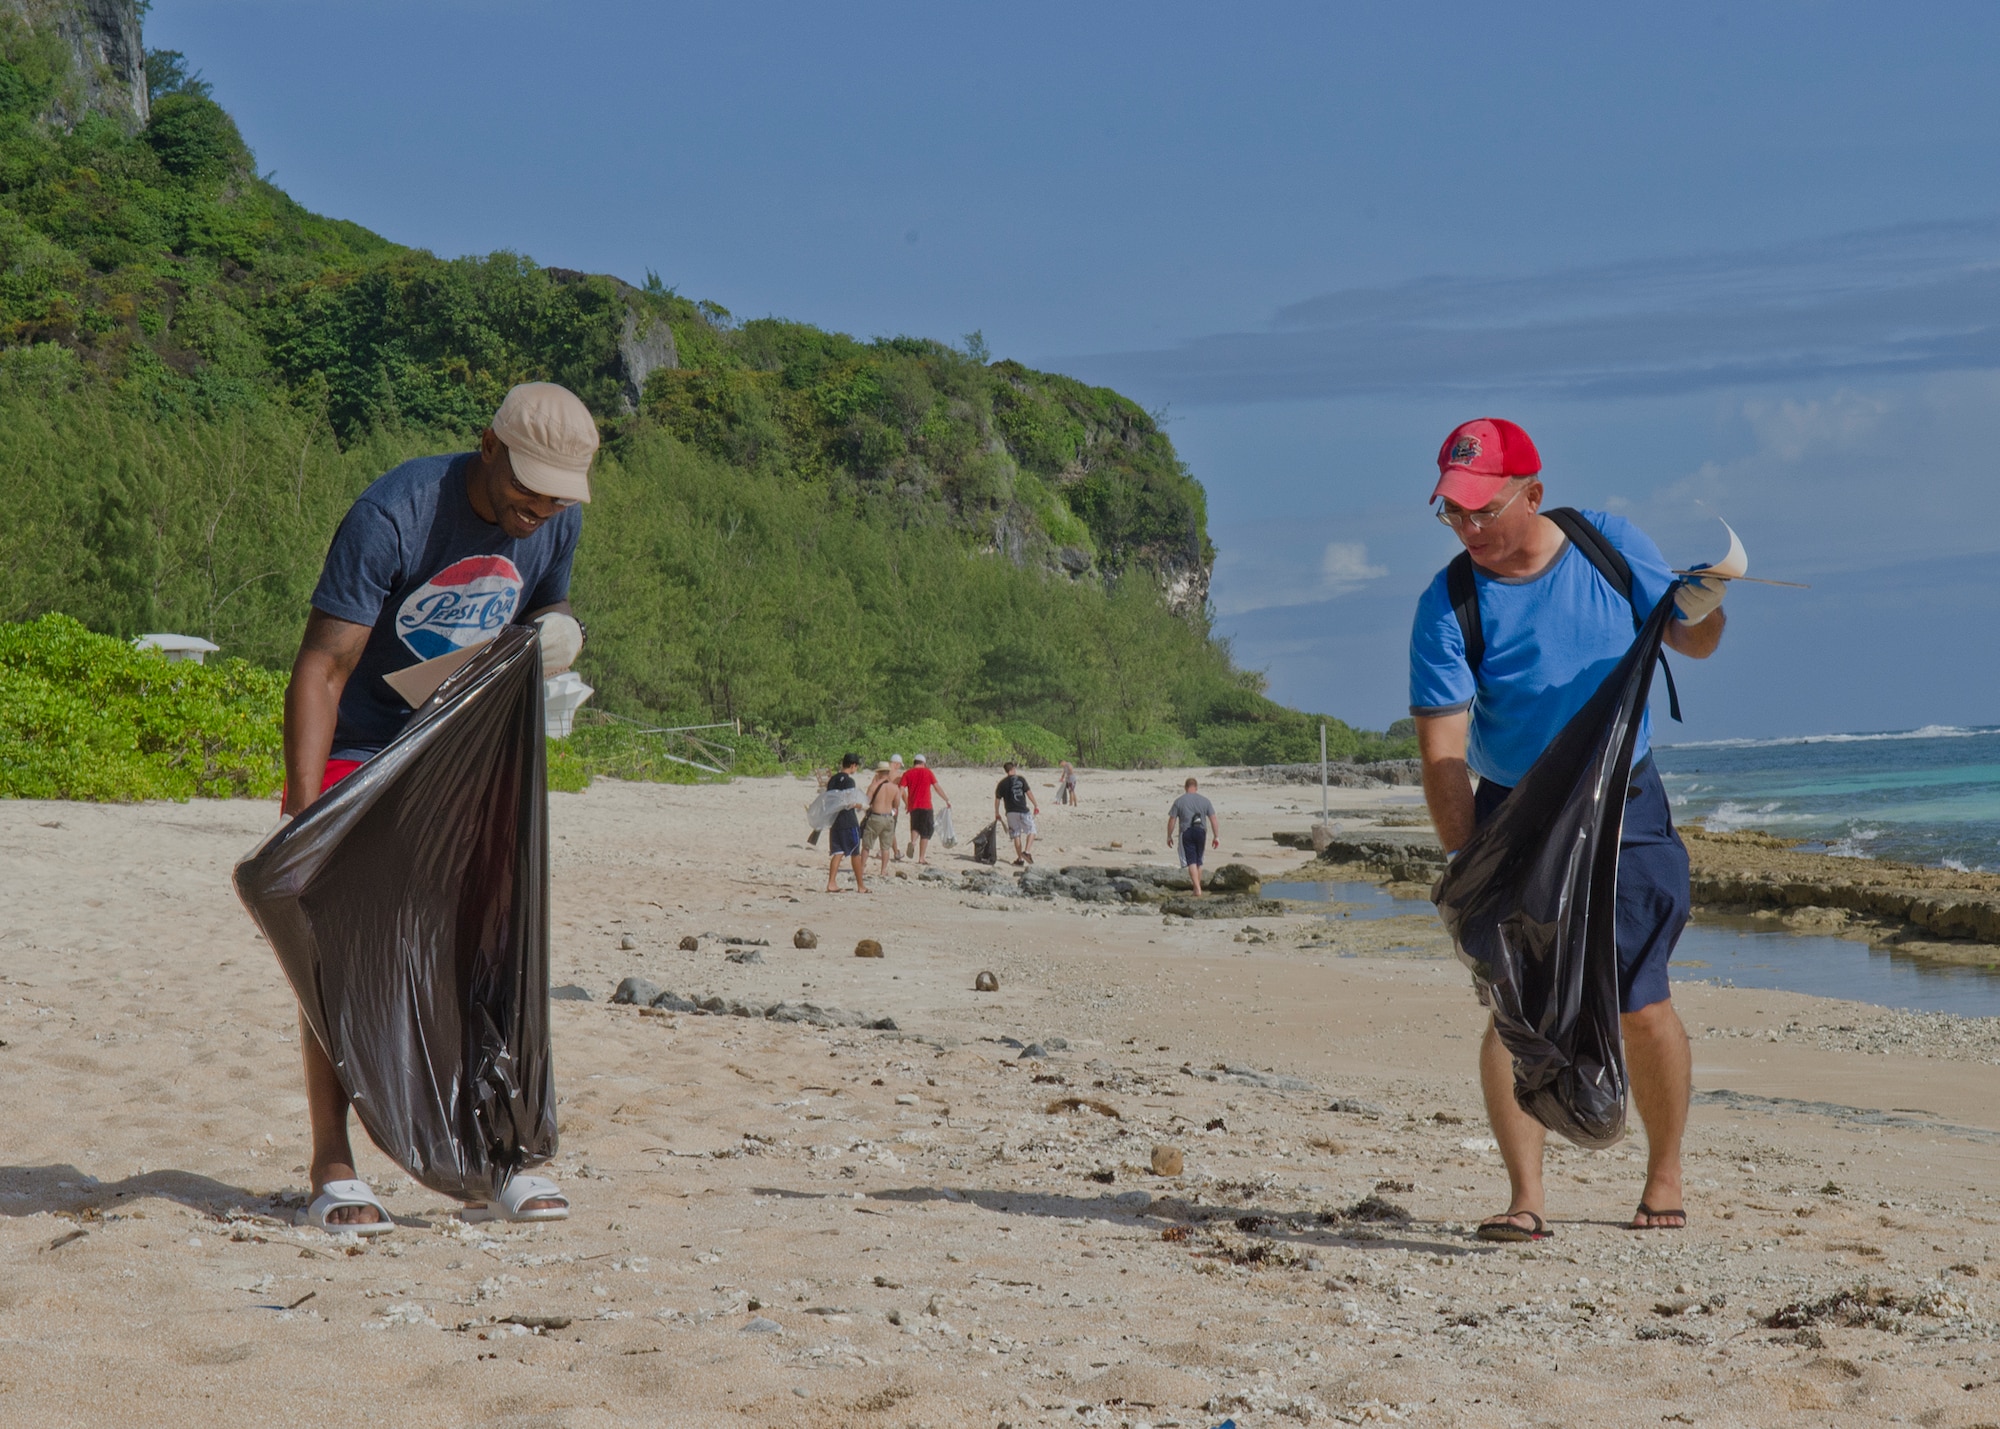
1940,913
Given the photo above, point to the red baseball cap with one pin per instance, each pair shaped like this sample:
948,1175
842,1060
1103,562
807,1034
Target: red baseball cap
1478,458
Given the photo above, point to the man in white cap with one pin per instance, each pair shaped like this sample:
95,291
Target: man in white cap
921,793
437,556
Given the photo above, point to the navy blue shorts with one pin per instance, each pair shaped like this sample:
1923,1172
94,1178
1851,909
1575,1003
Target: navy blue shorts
1653,896
1194,843
844,839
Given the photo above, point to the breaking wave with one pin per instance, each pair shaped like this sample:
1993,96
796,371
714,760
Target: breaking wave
1929,731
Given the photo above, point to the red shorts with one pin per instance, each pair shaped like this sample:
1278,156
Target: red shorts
336,770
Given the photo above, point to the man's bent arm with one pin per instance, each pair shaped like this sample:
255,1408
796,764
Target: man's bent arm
1697,642
327,655
1447,781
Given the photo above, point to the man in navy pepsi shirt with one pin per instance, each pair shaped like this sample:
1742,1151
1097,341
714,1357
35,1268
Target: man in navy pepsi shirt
1552,628
433,558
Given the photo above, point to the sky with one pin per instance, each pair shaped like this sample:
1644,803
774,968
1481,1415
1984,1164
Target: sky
1719,260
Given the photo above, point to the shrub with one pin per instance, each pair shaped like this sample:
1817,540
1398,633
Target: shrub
85,716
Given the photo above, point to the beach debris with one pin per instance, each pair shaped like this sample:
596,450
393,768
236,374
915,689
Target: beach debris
807,1012
867,948
626,942
761,1326
68,1238
569,992
1174,1235
1216,1123
635,990
536,1322
1401,1188
1063,1104
744,955
1351,1107
690,944
986,982
1872,1307
737,940
1103,1177
1167,1161
302,1299
1371,1210
805,938
1248,1076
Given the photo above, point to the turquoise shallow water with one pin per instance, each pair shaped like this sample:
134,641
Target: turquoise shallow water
1928,795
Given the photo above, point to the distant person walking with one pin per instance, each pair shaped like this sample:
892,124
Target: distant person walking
878,827
895,817
1195,817
921,791
1014,800
843,836
1066,785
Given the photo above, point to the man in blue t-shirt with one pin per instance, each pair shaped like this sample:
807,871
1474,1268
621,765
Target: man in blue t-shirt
1553,628
434,558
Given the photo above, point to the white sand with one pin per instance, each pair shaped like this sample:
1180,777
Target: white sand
838,1178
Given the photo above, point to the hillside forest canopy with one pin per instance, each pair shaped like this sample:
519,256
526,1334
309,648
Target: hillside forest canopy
835,541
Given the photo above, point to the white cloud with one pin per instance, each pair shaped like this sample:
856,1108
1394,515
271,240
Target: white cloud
1344,565
1849,481
1278,573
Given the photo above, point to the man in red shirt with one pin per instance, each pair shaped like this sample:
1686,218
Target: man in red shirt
920,789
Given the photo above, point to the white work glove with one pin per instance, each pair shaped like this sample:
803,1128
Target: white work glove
1700,598
562,641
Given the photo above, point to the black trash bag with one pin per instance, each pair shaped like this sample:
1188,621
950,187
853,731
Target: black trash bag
986,845
409,907
1531,902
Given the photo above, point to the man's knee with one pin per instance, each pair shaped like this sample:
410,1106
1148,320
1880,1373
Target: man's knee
1655,1019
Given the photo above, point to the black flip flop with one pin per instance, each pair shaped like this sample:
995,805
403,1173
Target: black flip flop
1501,1228
1646,1210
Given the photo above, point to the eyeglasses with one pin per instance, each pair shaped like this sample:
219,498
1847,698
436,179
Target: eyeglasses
1455,517
563,503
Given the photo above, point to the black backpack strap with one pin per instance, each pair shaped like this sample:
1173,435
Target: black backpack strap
1608,559
1612,565
1463,588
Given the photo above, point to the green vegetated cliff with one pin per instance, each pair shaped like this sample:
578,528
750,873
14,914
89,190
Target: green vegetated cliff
833,540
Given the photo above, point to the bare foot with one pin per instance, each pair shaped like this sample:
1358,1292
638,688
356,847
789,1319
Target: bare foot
1514,1226
1650,1218
353,1216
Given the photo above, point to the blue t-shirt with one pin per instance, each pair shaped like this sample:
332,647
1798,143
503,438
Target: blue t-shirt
1550,641
413,560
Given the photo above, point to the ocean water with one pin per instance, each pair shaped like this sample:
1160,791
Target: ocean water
1927,796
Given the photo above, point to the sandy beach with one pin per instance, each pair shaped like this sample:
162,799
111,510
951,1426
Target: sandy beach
955,1222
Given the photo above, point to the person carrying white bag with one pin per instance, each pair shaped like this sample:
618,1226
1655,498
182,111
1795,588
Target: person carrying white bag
921,794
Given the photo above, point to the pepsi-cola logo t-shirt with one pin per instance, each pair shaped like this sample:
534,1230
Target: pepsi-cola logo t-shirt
413,561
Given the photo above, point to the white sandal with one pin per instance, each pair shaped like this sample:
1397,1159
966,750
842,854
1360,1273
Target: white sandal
341,1196
518,1191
